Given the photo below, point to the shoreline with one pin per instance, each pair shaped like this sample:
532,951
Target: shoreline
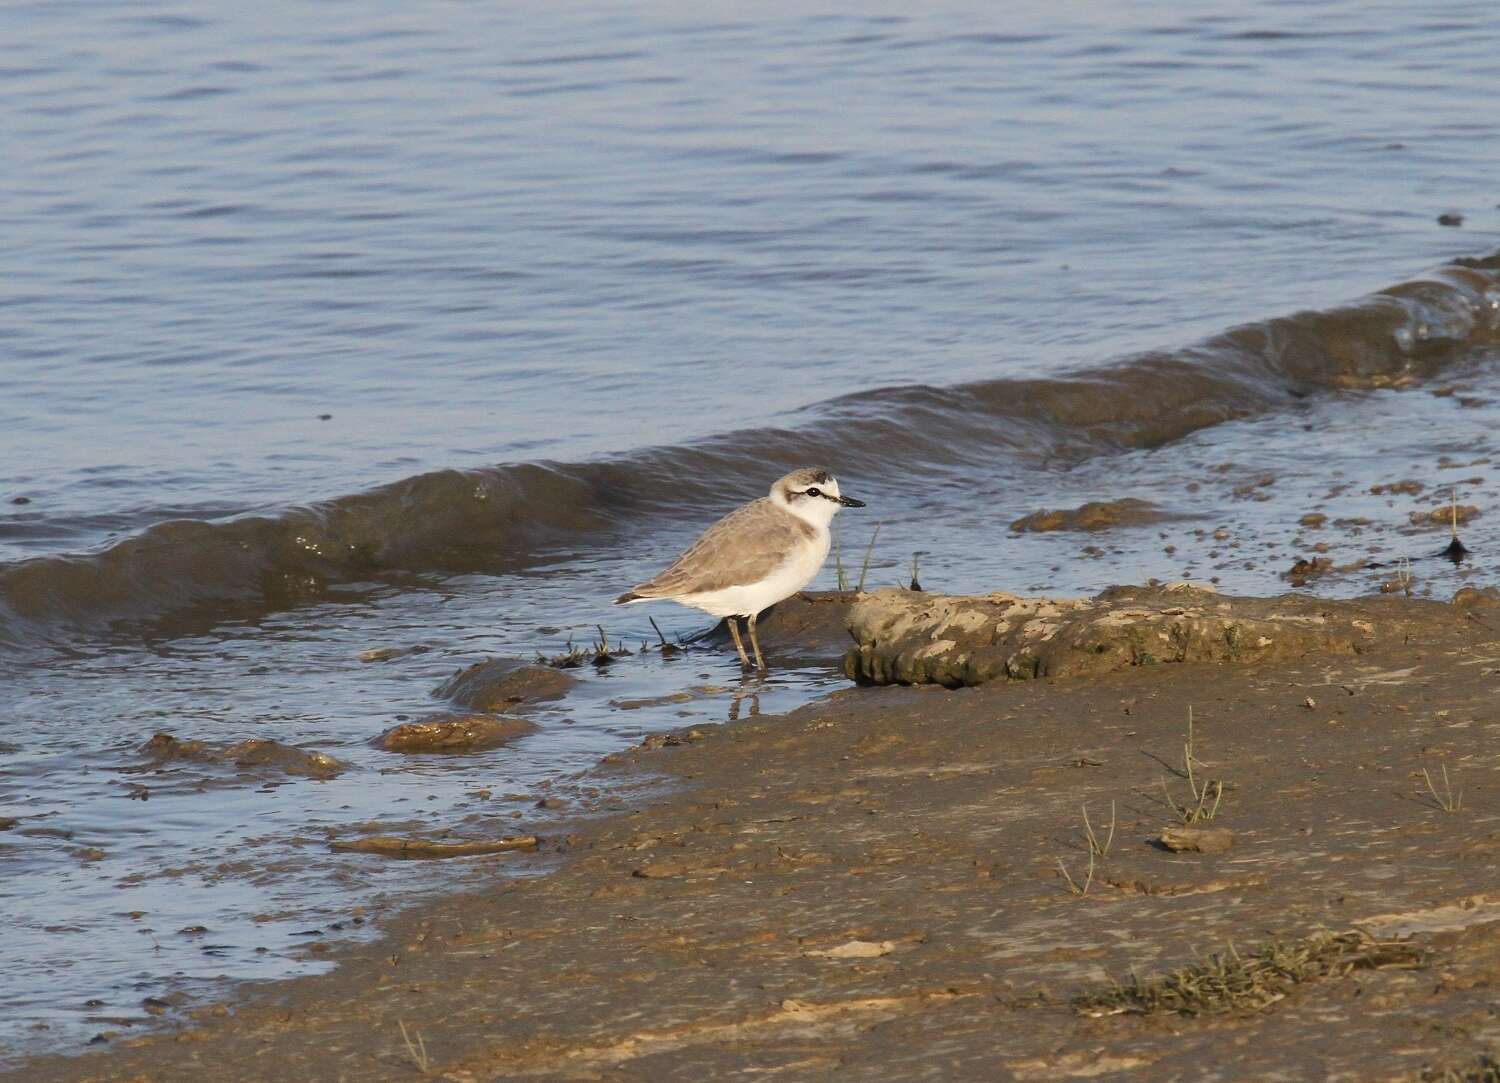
872,883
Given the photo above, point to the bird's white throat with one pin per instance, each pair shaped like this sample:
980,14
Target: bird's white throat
817,511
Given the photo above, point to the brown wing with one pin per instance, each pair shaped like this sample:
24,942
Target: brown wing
743,547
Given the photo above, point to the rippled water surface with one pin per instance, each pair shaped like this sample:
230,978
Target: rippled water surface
331,328
483,232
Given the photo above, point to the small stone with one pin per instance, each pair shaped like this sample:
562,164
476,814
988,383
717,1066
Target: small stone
164,746
259,752
256,752
381,654
391,846
1313,519
855,949
1467,597
453,733
1305,569
1198,840
1310,703
653,701
1095,515
499,683
660,870
1444,515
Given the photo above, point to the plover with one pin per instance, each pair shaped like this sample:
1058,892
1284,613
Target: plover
755,556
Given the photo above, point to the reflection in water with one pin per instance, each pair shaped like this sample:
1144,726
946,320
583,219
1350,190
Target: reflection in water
749,690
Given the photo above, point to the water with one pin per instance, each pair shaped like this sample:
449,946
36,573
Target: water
568,283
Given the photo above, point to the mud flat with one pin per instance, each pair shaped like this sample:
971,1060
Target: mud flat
897,882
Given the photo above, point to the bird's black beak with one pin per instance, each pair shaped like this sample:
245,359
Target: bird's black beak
850,502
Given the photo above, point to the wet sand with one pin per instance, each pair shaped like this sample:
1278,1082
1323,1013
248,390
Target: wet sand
870,887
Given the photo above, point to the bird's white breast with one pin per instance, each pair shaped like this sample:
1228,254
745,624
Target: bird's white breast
787,578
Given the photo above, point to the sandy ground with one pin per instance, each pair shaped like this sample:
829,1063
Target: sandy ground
869,888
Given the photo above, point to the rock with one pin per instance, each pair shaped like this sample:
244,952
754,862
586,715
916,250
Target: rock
1467,598
259,752
1198,840
905,638
809,626
1095,515
661,870
386,654
855,949
1313,519
1444,515
1410,486
256,752
673,739
390,846
164,747
653,701
453,732
1305,569
499,683
381,654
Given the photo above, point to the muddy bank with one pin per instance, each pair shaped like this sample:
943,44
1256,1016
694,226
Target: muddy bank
897,882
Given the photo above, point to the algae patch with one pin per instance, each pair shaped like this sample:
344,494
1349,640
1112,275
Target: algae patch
1228,981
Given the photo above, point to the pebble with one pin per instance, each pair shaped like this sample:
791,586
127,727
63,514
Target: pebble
1199,840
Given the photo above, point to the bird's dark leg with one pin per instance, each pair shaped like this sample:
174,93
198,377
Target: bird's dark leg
734,631
760,663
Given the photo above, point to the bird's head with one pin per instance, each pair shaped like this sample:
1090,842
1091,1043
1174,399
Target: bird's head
812,494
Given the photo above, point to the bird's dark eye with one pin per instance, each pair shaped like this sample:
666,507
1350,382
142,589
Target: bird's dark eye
813,492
